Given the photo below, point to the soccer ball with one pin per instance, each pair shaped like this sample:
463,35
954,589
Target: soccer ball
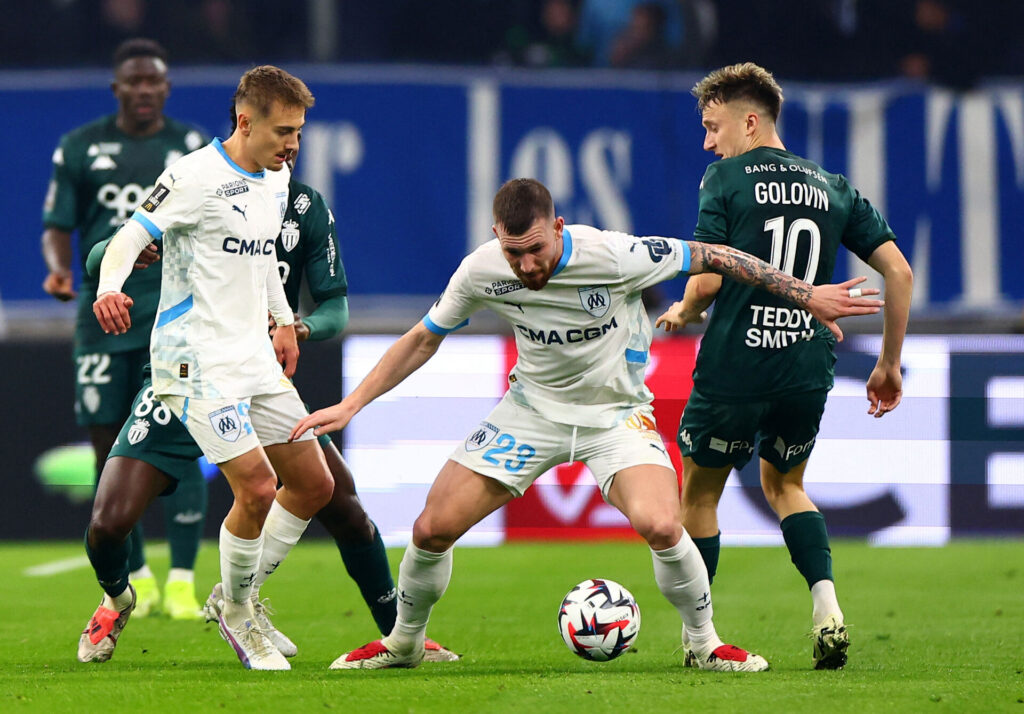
599,620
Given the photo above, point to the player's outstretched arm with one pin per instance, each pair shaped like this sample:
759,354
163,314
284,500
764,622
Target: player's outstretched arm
826,303
698,295
408,354
112,306
885,385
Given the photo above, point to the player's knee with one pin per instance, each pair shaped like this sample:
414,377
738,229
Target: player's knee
346,521
319,493
430,534
659,530
256,498
106,528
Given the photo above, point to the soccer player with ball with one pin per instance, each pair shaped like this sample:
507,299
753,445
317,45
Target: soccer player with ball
572,295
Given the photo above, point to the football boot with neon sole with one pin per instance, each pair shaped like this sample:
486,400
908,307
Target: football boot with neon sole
147,596
180,601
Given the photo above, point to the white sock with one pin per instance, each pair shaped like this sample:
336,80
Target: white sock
823,593
180,574
682,578
118,603
422,579
281,531
143,572
239,559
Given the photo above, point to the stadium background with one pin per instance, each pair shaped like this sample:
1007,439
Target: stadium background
414,130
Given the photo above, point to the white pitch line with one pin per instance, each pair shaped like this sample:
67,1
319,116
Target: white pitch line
65,565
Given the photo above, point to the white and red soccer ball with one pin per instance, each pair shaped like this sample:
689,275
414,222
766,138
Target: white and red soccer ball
599,620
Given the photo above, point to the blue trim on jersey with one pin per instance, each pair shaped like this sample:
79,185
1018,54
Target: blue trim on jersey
174,312
184,412
438,330
638,356
150,227
686,258
217,145
566,252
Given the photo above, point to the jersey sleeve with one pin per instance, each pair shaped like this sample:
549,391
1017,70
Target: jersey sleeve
648,260
712,222
176,201
865,229
60,208
456,303
325,273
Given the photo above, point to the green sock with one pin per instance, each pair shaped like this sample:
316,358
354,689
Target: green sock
367,565
184,516
807,540
137,555
110,564
710,548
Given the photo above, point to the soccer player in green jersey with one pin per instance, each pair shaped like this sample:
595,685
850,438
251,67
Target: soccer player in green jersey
101,172
765,368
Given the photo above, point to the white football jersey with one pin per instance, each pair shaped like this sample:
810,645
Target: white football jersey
583,339
219,225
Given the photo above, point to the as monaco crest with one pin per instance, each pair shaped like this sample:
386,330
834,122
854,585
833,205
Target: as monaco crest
595,300
138,431
289,235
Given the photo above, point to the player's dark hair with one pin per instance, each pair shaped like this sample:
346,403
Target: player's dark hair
261,86
740,82
139,47
520,202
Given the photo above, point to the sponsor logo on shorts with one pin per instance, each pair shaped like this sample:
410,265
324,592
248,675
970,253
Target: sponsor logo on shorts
788,451
483,436
728,447
641,422
596,300
684,437
226,423
138,431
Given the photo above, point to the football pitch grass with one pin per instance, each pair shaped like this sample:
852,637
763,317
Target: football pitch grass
932,629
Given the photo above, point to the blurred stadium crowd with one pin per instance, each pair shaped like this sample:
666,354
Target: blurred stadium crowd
948,42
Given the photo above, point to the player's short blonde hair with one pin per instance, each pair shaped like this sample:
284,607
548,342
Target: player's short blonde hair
261,86
743,82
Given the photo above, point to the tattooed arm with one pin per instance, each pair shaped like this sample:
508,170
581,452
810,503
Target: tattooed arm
826,303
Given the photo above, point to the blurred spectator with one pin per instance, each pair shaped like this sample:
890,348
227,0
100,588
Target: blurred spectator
602,21
641,44
548,40
940,44
214,31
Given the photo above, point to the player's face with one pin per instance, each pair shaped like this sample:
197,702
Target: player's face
533,255
141,87
274,138
727,128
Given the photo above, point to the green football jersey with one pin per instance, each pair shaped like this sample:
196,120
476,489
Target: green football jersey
100,175
793,214
308,245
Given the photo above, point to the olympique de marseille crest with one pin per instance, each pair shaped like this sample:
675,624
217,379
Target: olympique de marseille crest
595,300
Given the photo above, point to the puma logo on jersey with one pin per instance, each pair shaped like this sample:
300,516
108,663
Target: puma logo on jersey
240,210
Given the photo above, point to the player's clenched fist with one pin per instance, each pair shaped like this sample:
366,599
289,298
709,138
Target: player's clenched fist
112,312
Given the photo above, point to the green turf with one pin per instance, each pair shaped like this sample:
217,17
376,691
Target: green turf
933,630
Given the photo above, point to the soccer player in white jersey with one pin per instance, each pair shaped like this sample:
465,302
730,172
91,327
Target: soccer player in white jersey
219,210
572,295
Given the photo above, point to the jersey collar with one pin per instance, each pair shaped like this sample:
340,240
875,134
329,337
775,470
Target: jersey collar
566,251
217,145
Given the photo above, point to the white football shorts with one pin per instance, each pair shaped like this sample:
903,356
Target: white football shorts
515,445
226,428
